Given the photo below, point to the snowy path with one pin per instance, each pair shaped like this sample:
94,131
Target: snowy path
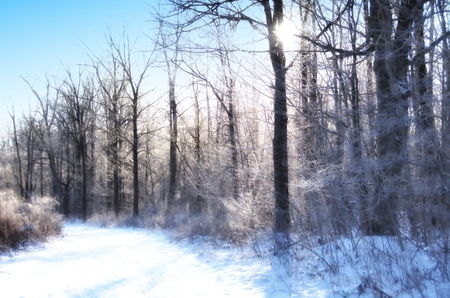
96,262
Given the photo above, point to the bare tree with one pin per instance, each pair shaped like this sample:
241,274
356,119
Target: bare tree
112,84
273,18
442,6
134,79
77,115
199,204
48,131
19,177
392,46
169,38
225,99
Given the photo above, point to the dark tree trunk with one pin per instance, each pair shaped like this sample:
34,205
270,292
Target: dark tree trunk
280,141
135,161
445,108
173,143
84,170
425,133
19,176
199,204
67,185
390,67
116,185
116,135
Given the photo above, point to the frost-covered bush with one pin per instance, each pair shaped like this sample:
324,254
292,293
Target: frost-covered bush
21,222
248,216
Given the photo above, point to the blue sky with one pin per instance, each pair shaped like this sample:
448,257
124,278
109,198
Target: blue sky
42,37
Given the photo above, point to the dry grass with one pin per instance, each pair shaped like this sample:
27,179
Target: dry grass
22,222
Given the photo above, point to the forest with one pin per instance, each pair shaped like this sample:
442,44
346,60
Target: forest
303,121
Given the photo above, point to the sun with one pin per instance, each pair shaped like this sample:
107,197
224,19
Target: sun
287,32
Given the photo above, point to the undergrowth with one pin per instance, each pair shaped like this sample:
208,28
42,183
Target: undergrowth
22,222
235,222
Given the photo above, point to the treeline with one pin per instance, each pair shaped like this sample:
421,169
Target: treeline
345,131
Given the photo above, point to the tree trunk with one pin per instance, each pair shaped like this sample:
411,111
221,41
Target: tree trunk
83,149
445,108
19,176
390,67
116,135
135,161
173,143
280,141
199,204
67,186
425,195
234,151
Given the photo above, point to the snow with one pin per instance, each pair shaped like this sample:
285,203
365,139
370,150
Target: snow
90,261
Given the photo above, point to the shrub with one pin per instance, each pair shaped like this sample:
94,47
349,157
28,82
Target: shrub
22,222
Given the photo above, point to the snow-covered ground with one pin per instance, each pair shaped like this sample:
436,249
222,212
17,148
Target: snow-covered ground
123,262
90,261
